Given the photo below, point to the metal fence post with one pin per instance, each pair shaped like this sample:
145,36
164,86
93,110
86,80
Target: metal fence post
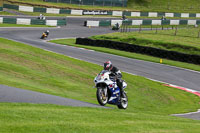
140,28
176,30
156,29
199,34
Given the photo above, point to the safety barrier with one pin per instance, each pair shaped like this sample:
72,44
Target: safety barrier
141,22
43,10
26,21
1,20
172,55
98,12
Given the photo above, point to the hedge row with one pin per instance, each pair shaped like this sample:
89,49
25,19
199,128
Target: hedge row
172,55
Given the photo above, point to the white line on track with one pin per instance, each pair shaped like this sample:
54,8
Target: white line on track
188,113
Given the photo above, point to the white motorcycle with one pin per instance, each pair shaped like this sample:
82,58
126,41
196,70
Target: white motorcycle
109,92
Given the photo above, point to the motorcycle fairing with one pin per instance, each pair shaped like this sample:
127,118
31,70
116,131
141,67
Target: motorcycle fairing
115,95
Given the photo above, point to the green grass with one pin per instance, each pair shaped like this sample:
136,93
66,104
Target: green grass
133,5
71,42
21,25
160,26
27,67
6,13
165,5
25,118
185,41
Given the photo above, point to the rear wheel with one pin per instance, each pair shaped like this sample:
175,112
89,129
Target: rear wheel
123,101
102,96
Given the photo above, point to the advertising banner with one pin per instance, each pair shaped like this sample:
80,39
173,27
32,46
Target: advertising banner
85,12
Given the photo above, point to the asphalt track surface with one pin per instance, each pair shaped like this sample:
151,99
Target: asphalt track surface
164,73
11,94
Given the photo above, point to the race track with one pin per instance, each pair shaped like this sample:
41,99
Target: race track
160,72
168,74
11,94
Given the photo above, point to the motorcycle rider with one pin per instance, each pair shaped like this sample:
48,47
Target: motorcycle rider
117,26
124,17
47,32
115,73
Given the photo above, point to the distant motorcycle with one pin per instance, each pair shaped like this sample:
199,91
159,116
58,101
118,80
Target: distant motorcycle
42,17
44,35
115,27
109,92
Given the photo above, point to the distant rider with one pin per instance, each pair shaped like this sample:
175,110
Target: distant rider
47,32
124,17
117,25
163,18
115,73
41,17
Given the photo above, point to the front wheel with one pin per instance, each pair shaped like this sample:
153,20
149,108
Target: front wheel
123,102
102,96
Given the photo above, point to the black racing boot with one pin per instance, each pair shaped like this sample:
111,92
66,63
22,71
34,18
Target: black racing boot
122,93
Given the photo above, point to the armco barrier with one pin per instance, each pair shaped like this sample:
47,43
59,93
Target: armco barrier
172,55
61,22
10,20
38,22
113,13
23,21
26,21
65,11
1,19
104,23
38,9
26,8
9,6
141,22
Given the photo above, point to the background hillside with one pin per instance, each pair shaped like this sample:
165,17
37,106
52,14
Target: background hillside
133,5
167,5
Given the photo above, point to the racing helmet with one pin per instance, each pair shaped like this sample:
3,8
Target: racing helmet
108,65
47,31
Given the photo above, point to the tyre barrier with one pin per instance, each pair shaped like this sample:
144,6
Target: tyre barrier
99,12
172,55
26,21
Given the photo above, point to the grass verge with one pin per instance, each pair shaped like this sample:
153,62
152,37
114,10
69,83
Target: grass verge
31,68
6,13
30,118
186,40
